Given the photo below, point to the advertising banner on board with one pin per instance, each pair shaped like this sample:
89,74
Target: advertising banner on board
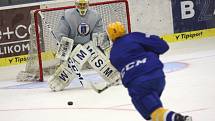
14,33
192,15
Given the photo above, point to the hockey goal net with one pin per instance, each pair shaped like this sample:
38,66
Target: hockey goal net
41,60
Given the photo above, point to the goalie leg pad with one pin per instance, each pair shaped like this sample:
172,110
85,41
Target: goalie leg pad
80,55
102,64
61,78
68,70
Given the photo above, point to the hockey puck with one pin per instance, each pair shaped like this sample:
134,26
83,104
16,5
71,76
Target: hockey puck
70,103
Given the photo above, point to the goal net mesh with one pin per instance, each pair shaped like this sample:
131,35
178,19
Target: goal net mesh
41,60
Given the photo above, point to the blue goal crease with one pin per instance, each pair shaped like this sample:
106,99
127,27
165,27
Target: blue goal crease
169,67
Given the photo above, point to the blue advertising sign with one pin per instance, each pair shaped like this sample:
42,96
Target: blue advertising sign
191,15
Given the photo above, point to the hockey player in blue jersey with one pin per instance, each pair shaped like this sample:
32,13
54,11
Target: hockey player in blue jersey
136,57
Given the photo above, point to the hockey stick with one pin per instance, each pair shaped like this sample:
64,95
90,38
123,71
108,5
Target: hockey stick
72,64
104,88
75,69
77,72
81,78
47,24
106,70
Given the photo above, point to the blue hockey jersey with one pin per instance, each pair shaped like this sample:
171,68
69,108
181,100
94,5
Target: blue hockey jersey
136,55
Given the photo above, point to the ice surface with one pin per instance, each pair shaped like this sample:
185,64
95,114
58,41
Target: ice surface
190,76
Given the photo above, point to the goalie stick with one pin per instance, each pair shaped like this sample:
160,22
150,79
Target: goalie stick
100,63
74,67
81,78
104,88
95,87
48,26
50,30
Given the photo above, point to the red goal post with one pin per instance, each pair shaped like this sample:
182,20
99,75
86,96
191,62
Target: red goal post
42,43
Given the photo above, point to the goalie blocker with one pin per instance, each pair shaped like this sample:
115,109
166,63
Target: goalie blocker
66,72
64,48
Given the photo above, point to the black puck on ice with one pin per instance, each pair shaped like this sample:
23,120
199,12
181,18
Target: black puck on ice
70,103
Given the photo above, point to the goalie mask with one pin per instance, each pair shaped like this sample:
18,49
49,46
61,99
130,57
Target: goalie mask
115,30
82,6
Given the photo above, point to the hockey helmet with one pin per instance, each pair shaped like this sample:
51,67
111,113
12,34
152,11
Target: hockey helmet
82,6
115,30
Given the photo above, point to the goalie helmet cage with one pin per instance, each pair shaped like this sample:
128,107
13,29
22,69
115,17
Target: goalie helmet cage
41,59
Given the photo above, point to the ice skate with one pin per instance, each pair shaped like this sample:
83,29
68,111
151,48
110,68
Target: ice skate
179,117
